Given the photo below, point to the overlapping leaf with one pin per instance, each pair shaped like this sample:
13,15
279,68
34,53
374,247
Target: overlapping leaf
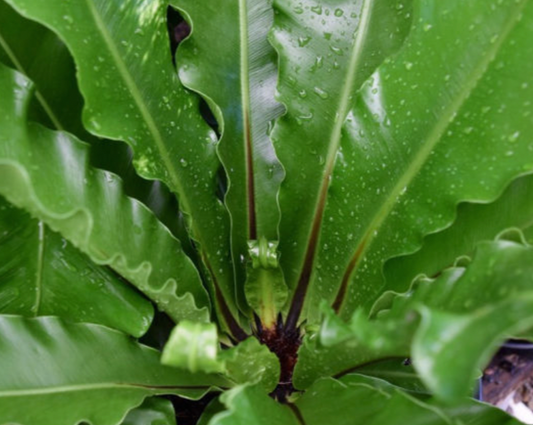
58,105
332,402
444,121
250,405
236,73
474,223
195,347
132,93
48,174
349,401
59,373
327,50
463,311
42,274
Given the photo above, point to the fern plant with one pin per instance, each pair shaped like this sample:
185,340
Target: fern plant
327,201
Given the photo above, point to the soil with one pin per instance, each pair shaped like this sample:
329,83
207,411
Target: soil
508,380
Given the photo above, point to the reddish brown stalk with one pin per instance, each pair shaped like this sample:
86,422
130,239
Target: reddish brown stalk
236,331
298,298
284,344
341,295
297,413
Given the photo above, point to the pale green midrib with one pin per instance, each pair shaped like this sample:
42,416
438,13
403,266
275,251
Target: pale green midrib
344,103
347,93
245,92
40,224
268,306
432,140
38,95
137,97
40,268
348,86
158,139
84,387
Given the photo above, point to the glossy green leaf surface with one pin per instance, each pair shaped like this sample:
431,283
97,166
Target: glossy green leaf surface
41,274
59,373
250,405
265,288
194,347
347,244
333,402
469,311
132,93
398,372
236,73
153,411
474,223
352,401
48,174
39,54
326,50
251,362
446,120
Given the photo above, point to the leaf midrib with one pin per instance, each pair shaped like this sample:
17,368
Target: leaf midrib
40,268
41,226
139,101
434,137
247,113
40,98
334,142
94,387
152,127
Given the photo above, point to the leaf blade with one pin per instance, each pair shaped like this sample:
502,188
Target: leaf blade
54,181
417,151
468,311
124,101
321,68
237,74
43,275
331,401
102,392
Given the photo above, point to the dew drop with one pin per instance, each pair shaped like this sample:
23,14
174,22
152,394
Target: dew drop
317,9
514,137
321,93
303,41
